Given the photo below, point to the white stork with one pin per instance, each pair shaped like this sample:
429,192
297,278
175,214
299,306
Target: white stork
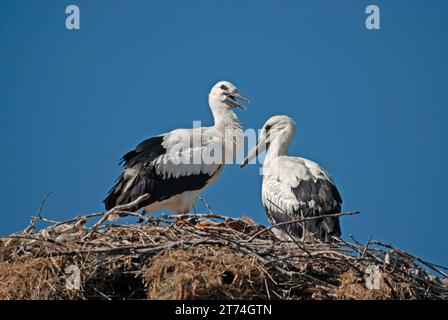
173,168
295,188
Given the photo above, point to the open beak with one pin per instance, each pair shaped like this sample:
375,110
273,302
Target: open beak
255,151
231,100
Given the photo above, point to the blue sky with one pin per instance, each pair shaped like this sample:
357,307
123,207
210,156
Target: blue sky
370,106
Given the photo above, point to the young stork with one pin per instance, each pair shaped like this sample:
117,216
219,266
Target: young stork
295,188
173,168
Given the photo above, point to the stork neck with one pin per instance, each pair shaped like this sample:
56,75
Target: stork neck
231,128
277,148
226,119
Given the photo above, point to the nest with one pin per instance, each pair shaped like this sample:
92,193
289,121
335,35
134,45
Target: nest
202,256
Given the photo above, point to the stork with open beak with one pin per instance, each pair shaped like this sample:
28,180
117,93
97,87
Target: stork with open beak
171,167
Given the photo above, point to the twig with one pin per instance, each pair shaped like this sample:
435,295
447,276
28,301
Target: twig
366,246
31,227
116,210
426,263
209,208
189,215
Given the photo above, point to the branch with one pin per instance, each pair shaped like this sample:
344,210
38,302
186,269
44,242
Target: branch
116,210
31,227
209,208
405,254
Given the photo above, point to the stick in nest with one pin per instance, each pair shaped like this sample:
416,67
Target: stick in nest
31,227
121,209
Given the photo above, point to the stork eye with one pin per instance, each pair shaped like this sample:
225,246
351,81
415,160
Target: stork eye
223,87
268,127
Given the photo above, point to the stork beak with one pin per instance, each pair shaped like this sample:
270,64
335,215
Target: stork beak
255,151
236,95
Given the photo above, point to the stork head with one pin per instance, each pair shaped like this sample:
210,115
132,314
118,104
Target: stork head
224,95
276,134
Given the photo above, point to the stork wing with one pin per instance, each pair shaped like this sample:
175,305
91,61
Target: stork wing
166,165
308,191
190,151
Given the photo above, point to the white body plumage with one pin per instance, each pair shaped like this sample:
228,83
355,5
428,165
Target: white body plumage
295,188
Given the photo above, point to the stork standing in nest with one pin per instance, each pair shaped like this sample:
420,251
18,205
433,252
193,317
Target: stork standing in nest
295,188
173,168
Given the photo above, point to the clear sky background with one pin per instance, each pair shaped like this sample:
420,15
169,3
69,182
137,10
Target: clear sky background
370,106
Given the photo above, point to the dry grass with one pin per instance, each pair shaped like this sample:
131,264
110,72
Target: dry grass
32,278
204,273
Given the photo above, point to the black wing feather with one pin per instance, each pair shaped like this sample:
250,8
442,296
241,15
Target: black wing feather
327,200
